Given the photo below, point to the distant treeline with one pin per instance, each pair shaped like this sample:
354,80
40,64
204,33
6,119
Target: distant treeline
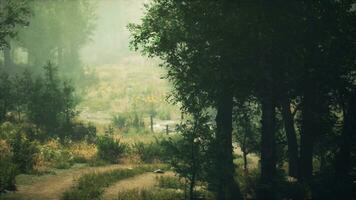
45,101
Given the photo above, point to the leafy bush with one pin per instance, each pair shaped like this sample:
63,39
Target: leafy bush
83,131
126,121
24,153
110,149
8,172
83,151
54,154
150,152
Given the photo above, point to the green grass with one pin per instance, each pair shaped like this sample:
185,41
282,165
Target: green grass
91,186
155,194
170,182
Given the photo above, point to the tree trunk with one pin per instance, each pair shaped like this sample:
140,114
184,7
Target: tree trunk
244,151
191,187
151,119
291,137
307,134
268,154
228,189
244,154
7,58
343,164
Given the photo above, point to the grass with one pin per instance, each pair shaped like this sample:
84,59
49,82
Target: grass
127,87
155,194
170,182
91,186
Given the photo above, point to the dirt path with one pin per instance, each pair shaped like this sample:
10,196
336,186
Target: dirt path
53,186
142,181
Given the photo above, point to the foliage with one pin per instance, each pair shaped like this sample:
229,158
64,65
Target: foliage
151,152
8,170
24,152
124,122
170,182
14,13
189,156
48,38
110,149
91,186
81,131
295,54
47,102
54,154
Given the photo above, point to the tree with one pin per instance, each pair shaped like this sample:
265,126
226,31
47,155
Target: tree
247,132
13,14
47,38
196,59
6,95
190,152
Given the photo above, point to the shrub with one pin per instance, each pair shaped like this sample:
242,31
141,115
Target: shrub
8,172
24,153
149,152
83,151
54,154
127,121
110,149
83,131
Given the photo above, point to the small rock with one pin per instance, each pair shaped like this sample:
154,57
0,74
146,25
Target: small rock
158,171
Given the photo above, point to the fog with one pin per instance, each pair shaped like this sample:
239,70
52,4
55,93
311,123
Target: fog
110,40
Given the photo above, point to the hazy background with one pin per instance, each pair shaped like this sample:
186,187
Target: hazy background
110,41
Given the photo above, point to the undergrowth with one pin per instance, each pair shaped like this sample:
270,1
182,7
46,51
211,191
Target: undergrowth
91,186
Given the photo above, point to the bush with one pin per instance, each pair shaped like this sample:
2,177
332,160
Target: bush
83,131
54,154
126,121
150,152
24,153
83,151
8,172
109,149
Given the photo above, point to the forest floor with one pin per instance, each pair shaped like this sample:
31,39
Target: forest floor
140,182
52,186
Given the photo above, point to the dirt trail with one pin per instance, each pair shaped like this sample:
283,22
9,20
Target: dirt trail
142,181
52,187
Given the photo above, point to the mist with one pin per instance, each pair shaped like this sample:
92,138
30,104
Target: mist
109,43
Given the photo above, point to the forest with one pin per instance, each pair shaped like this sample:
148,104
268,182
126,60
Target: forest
177,99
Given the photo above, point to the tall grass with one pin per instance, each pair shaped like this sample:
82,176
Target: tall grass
91,186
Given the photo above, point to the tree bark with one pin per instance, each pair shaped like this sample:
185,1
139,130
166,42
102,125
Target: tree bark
268,154
228,188
343,160
291,138
151,120
307,134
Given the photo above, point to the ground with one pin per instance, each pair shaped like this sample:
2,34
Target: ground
52,186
